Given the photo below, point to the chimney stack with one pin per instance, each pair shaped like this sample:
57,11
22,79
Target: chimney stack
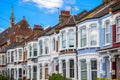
64,16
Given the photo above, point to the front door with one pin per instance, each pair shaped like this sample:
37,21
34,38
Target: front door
118,67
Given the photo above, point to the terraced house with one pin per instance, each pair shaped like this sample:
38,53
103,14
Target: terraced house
80,47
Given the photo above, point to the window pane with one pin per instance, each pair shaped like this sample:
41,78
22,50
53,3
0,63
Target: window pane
63,39
71,38
64,67
93,35
35,49
54,44
41,47
93,69
83,37
83,70
94,64
94,75
71,68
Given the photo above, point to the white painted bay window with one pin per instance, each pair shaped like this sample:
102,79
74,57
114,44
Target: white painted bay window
15,55
35,72
72,68
20,54
93,35
93,69
83,36
30,50
118,29
107,32
12,56
40,71
83,70
64,67
35,49
41,47
46,46
54,45
3,59
8,57
71,38
46,71
63,39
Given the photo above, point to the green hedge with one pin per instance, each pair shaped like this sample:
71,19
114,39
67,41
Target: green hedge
57,77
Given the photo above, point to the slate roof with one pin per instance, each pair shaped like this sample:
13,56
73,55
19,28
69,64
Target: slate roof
21,28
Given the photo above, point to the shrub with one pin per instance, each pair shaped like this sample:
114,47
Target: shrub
34,79
57,77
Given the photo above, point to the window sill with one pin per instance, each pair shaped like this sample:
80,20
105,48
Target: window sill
88,47
108,44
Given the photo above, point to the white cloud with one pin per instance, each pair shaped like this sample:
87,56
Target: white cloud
1,29
76,8
68,8
72,8
50,4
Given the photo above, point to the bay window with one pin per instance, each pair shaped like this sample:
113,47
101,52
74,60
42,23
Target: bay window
35,72
63,39
54,45
20,73
83,70
20,54
16,55
72,68
30,72
12,56
64,67
46,71
107,32
34,49
30,50
41,47
46,46
118,29
71,38
3,59
93,35
8,57
40,71
93,69
83,36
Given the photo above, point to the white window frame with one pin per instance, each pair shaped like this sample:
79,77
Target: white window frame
63,40
83,70
41,47
80,35
71,32
93,69
92,31
117,26
107,32
35,49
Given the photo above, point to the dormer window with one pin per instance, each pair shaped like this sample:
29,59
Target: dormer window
118,29
93,35
83,36
71,38
35,49
63,39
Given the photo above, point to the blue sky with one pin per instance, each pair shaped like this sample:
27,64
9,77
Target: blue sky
41,12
